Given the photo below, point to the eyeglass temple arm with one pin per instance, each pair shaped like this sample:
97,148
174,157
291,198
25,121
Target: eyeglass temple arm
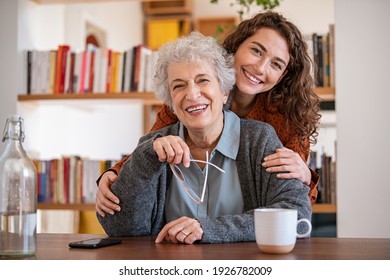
207,162
205,179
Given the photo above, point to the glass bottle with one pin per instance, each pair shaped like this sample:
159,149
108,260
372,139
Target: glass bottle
18,194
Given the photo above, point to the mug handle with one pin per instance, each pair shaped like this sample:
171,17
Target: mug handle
304,220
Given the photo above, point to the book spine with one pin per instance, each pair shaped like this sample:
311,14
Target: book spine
109,71
29,71
82,72
91,72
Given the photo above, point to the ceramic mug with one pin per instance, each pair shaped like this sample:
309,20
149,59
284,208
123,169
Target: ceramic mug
277,229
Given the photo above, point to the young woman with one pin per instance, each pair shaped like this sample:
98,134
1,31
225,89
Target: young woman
273,85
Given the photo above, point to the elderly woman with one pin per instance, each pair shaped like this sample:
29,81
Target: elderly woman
211,199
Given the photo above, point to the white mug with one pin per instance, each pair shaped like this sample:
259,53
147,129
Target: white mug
276,229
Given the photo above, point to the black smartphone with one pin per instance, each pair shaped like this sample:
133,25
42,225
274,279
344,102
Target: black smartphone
94,243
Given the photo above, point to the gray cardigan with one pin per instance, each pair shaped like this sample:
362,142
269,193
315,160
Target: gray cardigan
143,181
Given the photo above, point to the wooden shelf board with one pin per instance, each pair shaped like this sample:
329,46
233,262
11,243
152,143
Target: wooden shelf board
325,93
145,96
324,208
60,206
159,7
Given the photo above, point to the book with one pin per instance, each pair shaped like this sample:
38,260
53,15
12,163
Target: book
113,75
52,66
145,54
67,72
103,70
325,61
320,61
128,57
109,71
132,74
91,72
332,82
137,63
65,186
315,57
53,181
77,72
83,71
71,87
123,73
29,70
61,68
149,74
160,31
97,71
86,88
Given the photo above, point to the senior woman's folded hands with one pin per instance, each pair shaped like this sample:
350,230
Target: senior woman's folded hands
183,230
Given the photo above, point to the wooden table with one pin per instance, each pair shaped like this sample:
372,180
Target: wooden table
55,247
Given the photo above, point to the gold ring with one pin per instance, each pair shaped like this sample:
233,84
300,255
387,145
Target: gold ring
183,232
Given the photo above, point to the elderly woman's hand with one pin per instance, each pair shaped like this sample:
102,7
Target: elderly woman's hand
172,149
183,230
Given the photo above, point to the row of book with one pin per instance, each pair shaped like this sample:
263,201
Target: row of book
103,70
69,179
327,172
321,48
95,70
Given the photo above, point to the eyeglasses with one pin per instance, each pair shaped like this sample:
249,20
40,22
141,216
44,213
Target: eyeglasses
180,176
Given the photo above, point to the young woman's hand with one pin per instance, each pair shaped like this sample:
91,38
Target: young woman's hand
288,164
106,201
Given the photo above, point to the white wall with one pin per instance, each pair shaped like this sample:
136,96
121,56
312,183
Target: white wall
310,16
8,54
94,129
121,20
363,126
100,129
40,27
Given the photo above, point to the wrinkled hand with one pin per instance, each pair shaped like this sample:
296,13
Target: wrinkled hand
183,230
289,164
172,149
106,201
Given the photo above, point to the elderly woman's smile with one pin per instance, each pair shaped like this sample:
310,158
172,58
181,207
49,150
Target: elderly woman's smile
197,97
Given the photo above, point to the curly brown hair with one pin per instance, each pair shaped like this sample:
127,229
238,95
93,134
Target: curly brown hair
294,94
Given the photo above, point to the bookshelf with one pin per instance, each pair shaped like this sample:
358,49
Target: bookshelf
150,103
165,21
217,27
318,208
161,29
